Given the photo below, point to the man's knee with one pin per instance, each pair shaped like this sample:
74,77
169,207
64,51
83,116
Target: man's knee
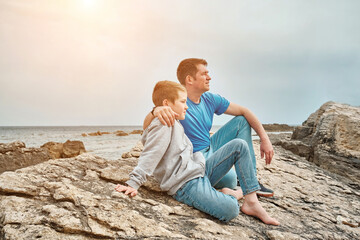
239,144
242,122
229,180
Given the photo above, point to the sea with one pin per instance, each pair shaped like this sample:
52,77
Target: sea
108,146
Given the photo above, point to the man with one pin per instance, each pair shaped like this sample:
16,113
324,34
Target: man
194,75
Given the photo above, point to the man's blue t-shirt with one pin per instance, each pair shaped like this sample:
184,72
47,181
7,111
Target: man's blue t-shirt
199,118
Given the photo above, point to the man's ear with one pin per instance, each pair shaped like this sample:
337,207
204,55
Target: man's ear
165,102
189,80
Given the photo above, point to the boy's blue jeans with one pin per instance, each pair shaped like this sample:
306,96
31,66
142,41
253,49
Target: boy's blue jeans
236,128
200,192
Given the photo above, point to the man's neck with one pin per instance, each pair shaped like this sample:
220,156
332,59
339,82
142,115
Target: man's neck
194,96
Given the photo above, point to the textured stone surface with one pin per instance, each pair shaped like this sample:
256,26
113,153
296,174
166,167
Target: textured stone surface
74,198
15,155
330,137
64,150
275,127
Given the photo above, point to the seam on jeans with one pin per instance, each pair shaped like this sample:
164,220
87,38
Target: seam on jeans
205,208
244,181
222,162
254,189
221,218
247,190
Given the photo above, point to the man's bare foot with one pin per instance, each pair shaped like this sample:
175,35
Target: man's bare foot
256,210
238,194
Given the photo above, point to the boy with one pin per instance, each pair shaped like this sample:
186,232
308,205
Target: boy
168,156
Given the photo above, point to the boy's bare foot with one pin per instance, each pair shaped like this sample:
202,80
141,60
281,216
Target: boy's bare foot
253,208
238,194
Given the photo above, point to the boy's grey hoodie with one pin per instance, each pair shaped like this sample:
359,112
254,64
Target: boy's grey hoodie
168,156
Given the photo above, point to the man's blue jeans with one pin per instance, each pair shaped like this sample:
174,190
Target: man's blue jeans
236,128
200,192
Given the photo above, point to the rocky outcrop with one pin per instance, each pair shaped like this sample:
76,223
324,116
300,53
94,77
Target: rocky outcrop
134,152
137,132
117,133
98,133
74,198
275,127
64,150
16,155
121,133
330,137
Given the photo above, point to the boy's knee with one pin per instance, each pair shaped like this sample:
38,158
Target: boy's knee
230,210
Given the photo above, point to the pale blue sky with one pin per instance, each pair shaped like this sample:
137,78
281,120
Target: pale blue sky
94,62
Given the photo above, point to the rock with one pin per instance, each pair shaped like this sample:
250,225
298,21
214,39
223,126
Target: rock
11,147
74,198
278,138
15,155
98,133
73,148
330,138
275,127
126,155
137,132
64,150
134,152
278,235
55,149
121,133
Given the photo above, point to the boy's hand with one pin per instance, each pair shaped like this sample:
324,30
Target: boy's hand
127,190
166,115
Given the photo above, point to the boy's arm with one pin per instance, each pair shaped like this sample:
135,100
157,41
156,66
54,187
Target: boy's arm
127,190
164,113
156,143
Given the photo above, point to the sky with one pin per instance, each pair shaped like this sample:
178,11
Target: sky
95,62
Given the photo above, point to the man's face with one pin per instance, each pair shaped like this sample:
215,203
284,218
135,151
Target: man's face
202,78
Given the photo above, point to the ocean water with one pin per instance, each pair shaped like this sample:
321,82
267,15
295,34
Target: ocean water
108,146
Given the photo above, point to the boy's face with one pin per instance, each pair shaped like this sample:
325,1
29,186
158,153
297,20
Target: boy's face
179,106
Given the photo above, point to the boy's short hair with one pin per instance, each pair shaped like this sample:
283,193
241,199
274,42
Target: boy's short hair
166,90
188,67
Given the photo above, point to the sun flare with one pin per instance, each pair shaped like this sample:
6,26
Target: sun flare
89,3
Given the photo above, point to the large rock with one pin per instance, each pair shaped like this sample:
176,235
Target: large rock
275,127
64,150
15,155
74,198
73,148
330,137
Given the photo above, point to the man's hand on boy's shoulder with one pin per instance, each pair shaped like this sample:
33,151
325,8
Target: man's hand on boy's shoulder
127,190
166,115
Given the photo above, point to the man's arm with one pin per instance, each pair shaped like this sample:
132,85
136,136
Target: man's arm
165,114
265,144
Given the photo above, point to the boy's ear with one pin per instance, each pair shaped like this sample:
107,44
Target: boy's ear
165,102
